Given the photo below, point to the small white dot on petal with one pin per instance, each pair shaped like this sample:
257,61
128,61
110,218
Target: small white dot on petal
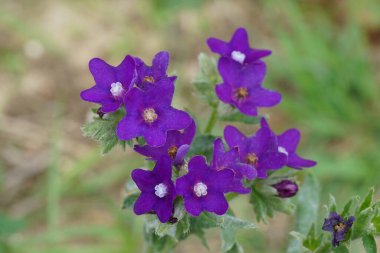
116,89
161,190
282,150
200,189
238,56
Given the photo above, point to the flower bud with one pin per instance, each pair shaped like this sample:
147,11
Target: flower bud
286,188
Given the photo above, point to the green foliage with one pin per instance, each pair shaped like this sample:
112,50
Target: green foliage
237,116
203,144
130,200
172,233
312,241
307,210
363,222
206,79
103,130
369,243
265,202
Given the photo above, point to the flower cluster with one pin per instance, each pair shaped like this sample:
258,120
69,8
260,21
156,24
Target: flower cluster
144,94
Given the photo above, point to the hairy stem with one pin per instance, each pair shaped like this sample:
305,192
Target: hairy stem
212,119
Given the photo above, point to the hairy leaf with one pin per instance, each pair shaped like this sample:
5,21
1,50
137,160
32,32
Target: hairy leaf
206,79
369,243
237,116
202,145
307,210
362,223
130,200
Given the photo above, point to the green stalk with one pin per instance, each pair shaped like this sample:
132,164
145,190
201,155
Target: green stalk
212,119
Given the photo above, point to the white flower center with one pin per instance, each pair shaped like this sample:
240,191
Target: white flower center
116,89
238,56
200,189
161,190
282,150
150,115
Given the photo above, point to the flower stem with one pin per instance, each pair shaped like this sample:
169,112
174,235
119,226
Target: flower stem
212,119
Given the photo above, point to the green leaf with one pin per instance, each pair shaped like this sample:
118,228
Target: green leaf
236,248
202,145
265,202
324,248
130,200
369,243
307,210
341,249
312,242
332,204
346,210
367,201
206,79
237,116
362,223
103,130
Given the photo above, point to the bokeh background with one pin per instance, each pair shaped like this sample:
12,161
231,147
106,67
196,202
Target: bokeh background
58,194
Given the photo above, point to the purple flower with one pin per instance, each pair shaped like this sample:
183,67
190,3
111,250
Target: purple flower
287,144
111,83
155,75
238,48
286,188
241,86
259,150
230,160
176,146
338,227
203,188
150,114
157,190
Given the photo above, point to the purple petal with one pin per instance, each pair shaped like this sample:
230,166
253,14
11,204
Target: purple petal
224,93
127,128
154,137
221,180
95,94
160,63
126,72
175,119
111,106
248,108
197,164
218,46
237,75
272,161
297,162
256,54
215,202
233,136
239,40
144,179
182,186
144,203
244,170
193,206
103,73
238,187
163,168
289,140
164,209
264,97
181,154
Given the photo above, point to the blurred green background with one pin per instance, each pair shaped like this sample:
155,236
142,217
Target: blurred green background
57,194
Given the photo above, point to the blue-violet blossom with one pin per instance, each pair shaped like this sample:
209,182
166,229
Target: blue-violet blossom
338,227
157,190
203,188
259,150
150,114
176,146
237,48
111,83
